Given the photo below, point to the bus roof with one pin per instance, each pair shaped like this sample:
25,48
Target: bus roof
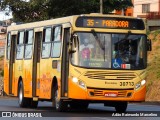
61,20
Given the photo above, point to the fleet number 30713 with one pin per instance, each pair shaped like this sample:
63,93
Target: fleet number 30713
126,83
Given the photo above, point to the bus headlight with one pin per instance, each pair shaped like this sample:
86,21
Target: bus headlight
139,84
143,82
75,80
82,84
79,82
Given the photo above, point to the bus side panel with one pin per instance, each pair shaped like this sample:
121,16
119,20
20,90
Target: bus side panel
17,73
6,76
47,73
13,80
27,73
45,78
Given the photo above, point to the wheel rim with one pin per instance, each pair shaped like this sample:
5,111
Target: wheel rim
20,96
56,99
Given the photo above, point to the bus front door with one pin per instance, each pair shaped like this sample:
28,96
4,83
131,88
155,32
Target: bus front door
65,63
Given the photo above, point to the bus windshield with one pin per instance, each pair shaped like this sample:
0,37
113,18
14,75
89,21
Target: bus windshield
111,51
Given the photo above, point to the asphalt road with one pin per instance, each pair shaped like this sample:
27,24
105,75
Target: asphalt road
143,111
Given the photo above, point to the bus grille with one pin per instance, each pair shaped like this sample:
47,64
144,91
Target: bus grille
110,75
101,93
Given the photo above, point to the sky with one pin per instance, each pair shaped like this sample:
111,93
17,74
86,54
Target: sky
4,17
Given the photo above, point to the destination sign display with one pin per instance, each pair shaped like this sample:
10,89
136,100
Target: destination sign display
110,22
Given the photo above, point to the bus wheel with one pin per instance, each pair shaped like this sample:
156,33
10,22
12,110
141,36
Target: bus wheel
121,107
53,95
60,105
23,102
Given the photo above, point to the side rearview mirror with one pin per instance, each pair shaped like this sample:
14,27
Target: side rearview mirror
72,50
73,44
149,45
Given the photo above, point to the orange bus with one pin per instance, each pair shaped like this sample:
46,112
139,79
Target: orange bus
77,60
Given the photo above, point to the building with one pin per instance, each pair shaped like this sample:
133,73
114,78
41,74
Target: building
126,12
149,9
3,30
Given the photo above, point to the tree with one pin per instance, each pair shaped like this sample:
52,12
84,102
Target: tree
35,10
110,5
72,7
23,11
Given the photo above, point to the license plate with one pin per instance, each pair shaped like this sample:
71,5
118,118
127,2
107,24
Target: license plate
110,94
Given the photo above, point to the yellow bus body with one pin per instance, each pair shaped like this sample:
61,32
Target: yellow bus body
95,88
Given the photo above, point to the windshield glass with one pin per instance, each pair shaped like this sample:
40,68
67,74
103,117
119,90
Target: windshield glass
112,51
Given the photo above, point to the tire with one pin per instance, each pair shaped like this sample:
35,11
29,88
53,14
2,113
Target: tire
53,96
61,106
121,107
22,101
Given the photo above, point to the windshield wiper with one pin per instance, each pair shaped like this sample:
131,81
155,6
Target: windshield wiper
97,39
127,35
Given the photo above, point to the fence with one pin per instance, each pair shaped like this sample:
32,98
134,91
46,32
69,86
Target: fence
153,15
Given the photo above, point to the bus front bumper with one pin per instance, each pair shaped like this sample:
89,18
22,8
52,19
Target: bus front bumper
98,94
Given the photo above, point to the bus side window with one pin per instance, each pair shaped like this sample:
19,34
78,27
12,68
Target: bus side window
28,44
56,41
20,45
8,45
46,47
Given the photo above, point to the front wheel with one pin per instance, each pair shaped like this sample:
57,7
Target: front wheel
22,101
60,105
121,107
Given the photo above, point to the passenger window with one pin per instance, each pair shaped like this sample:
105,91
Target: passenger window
57,33
29,44
30,36
20,38
56,42
47,34
46,46
20,45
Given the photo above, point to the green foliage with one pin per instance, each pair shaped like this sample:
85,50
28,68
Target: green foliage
148,32
155,35
36,10
149,84
2,73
